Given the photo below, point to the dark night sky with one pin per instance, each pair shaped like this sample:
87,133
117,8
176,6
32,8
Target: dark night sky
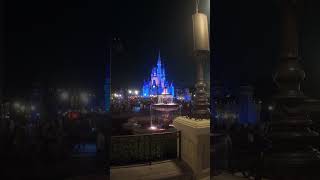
68,41
63,40
246,40
245,36
147,26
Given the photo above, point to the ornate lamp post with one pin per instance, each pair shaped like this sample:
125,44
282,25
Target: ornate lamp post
195,129
291,155
201,52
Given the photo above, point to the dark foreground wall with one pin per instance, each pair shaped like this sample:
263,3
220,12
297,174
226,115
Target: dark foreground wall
2,28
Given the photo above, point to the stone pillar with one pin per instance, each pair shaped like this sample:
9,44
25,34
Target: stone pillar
195,145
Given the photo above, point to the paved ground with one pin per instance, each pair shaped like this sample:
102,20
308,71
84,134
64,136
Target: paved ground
228,176
173,170
82,165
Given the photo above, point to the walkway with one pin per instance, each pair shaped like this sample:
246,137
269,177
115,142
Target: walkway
165,170
228,176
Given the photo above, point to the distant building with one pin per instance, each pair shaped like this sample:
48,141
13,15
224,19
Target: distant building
157,83
183,94
237,106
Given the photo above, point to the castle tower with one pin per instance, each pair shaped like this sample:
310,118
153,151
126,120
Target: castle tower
157,81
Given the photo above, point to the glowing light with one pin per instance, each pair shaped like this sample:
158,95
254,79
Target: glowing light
136,92
64,95
84,98
16,105
153,128
270,108
33,108
129,91
22,108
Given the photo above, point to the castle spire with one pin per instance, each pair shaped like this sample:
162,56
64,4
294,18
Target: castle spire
159,58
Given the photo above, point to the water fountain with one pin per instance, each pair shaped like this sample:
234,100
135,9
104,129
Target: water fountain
162,113
160,118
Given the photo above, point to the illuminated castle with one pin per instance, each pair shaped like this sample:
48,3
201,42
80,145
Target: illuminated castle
157,83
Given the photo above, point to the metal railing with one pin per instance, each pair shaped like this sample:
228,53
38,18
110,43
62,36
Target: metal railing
145,148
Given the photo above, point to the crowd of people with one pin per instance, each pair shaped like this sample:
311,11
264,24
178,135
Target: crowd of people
240,148
27,145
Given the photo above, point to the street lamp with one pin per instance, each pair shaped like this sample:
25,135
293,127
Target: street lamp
201,50
136,92
294,142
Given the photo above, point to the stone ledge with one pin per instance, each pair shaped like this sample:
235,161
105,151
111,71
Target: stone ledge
204,123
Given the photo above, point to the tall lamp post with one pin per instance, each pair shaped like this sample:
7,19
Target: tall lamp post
291,155
201,53
195,129
115,47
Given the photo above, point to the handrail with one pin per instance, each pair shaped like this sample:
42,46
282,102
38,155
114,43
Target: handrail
145,148
144,134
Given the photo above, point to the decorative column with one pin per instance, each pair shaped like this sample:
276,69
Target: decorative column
201,52
195,130
291,155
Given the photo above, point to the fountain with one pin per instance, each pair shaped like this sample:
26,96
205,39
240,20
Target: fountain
162,113
160,119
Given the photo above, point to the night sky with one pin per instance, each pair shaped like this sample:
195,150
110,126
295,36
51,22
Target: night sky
67,42
246,37
60,42
147,26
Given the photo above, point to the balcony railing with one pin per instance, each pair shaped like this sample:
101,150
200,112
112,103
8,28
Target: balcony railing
144,149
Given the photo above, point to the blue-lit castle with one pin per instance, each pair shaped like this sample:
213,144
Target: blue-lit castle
157,84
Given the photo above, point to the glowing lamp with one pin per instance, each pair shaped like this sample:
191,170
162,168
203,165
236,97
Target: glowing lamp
16,105
200,32
84,97
64,95
153,128
22,108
